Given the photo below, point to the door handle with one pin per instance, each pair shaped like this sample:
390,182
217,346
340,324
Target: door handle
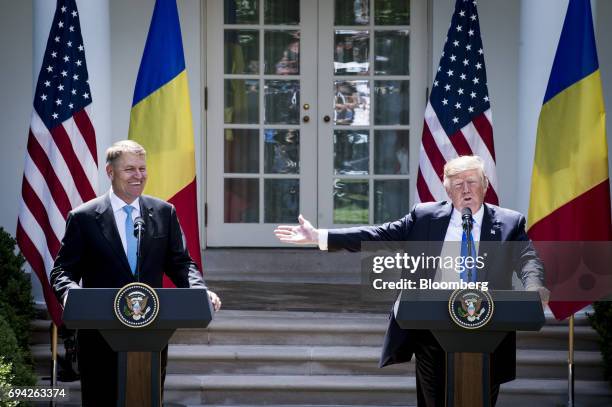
306,119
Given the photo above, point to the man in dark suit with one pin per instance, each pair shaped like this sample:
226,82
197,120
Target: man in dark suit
99,250
466,184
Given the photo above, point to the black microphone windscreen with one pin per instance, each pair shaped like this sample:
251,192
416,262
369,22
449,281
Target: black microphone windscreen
139,225
466,212
138,221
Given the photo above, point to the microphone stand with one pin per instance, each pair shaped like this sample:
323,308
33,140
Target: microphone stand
467,228
138,230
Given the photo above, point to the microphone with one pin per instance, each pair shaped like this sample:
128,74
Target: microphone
466,219
139,228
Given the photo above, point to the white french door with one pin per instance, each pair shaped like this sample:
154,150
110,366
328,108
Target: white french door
310,112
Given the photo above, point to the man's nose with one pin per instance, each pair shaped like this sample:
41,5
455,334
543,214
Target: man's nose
466,187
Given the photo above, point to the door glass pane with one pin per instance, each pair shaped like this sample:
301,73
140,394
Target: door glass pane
351,152
282,151
392,12
241,12
391,152
391,200
282,52
241,200
392,50
241,52
352,12
352,103
391,102
350,201
281,200
282,12
241,151
351,52
241,101
282,102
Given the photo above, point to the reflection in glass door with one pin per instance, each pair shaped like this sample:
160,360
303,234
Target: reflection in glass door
311,110
261,132
366,88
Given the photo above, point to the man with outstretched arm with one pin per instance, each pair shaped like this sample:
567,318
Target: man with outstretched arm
466,184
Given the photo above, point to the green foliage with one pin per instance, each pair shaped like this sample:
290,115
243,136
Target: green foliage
16,304
6,380
14,356
16,314
601,321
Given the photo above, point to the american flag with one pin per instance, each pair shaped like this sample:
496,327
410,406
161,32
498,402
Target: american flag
458,117
61,165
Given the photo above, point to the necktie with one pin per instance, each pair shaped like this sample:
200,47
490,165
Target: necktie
130,239
465,253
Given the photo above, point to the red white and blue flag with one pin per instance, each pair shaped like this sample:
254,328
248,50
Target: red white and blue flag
458,117
61,165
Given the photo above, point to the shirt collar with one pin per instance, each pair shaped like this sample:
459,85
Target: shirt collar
477,217
118,204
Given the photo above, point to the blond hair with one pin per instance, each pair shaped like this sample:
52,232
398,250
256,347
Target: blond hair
123,146
464,163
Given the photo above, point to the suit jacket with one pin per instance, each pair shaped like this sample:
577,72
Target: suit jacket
429,222
91,249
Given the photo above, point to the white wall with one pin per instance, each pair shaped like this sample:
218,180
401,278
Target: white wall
15,104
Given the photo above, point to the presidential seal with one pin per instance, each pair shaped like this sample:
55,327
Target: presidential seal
470,309
136,305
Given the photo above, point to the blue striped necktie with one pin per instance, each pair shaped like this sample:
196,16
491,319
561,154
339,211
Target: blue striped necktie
464,254
130,239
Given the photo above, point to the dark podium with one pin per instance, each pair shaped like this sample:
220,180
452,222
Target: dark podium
139,368
468,350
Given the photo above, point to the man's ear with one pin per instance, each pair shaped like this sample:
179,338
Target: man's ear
109,170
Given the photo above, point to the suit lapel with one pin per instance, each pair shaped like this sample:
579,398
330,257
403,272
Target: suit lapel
108,227
437,228
490,231
146,213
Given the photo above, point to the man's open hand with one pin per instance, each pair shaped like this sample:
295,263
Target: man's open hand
304,233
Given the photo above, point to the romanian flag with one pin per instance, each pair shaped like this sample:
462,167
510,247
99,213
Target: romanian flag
161,121
570,198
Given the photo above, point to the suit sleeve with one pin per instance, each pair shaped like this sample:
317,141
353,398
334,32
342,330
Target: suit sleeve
351,238
179,266
67,269
527,264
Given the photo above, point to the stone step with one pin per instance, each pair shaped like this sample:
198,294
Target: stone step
257,390
335,360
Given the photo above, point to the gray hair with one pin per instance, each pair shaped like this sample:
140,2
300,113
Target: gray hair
123,146
464,163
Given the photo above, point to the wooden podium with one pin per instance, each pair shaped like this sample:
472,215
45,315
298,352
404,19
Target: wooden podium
139,349
468,350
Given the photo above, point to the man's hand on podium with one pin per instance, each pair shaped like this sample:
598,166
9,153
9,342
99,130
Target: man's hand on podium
544,295
304,233
215,300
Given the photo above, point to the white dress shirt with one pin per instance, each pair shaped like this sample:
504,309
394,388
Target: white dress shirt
120,214
454,233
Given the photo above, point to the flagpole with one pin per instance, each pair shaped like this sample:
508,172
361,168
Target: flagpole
570,364
53,358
